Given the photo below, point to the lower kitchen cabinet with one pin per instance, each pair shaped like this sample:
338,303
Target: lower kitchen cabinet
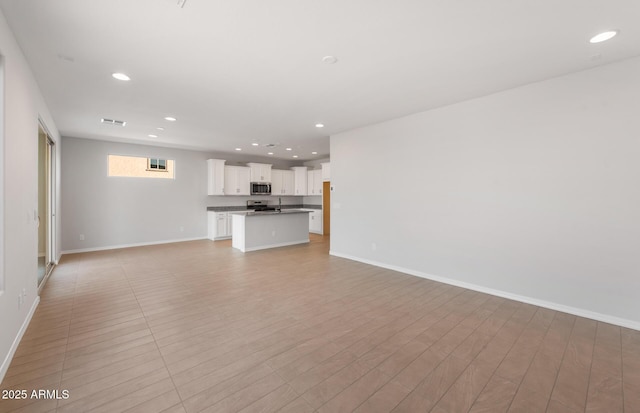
315,221
220,225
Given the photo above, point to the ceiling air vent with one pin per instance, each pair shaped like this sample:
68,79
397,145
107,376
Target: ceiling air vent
270,145
113,122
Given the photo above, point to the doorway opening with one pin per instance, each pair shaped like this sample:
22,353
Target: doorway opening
46,204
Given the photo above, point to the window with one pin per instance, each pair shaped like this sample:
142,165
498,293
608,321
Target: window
139,167
159,165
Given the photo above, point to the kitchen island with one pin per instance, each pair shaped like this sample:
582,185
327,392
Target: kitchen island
269,229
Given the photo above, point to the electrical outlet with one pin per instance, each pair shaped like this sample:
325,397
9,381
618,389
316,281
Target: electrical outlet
24,293
181,229
273,233
374,246
81,237
19,301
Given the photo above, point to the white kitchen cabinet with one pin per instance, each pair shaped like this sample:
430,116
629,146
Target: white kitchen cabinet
314,182
229,225
288,183
276,182
220,225
282,182
300,180
315,220
217,225
326,171
215,176
237,180
260,172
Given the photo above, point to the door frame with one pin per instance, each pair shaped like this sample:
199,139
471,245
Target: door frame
50,193
326,207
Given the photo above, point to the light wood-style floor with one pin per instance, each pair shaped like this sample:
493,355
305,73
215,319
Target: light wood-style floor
198,326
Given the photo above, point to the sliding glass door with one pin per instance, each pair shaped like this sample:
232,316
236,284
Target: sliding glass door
46,203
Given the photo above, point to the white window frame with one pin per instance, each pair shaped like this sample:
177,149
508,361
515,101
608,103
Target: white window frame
149,168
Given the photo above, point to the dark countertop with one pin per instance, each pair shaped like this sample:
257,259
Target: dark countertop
261,213
244,207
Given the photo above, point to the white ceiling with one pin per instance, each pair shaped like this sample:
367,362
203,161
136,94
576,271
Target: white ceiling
241,71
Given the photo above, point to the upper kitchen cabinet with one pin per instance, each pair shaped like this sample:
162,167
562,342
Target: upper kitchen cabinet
314,182
215,176
288,183
260,172
300,180
236,180
326,171
282,182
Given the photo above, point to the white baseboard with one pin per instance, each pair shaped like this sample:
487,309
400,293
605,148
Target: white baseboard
140,244
7,360
282,244
622,322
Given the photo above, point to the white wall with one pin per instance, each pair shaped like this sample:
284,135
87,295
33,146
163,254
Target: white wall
531,193
23,105
116,211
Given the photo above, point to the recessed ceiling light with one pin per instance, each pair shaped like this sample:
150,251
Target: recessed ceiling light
329,60
270,153
288,149
120,76
255,144
314,153
170,119
238,149
319,125
603,36
153,136
295,156
160,128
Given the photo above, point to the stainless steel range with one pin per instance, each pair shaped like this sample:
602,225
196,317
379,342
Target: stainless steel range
259,206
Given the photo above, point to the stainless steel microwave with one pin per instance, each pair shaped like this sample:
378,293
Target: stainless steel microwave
260,188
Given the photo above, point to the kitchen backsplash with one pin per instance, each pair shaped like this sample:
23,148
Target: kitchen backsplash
242,200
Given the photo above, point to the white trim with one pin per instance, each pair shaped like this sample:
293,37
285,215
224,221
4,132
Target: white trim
7,361
140,244
46,278
282,244
581,312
